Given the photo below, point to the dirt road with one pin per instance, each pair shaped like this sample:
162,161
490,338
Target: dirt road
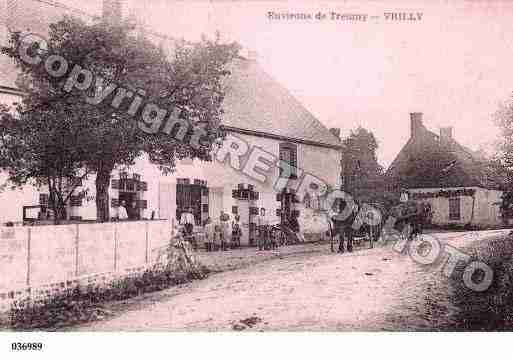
376,289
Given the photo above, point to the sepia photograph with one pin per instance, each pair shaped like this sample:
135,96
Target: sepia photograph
246,167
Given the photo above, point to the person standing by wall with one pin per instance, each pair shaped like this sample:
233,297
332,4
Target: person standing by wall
262,224
209,235
187,220
236,232
225,230
134,212
122,212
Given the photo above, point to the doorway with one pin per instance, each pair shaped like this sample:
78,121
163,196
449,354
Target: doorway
131,206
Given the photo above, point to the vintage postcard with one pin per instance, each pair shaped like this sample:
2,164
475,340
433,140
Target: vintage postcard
255,166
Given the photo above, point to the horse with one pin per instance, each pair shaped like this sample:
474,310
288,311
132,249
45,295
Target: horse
410,218
367,218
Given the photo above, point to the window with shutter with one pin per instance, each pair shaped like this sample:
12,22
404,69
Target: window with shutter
115,184
114,202
253,196
76,201
44,198
454,208
288,154
130,185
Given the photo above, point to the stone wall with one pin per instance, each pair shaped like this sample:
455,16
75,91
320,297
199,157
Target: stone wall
38,261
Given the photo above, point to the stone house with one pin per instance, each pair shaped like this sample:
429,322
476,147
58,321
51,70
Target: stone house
260,116
435,168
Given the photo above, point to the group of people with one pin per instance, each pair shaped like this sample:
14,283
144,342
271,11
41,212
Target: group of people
219,235
266,239
126,212
223,234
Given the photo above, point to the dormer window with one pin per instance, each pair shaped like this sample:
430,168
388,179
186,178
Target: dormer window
288,154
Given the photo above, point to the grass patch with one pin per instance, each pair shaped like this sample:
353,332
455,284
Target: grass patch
492,309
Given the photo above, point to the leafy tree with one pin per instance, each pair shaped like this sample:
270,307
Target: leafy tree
362,175
501,167
187,83
40,150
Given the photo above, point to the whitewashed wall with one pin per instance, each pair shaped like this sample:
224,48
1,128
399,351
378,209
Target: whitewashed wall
486,209
55,256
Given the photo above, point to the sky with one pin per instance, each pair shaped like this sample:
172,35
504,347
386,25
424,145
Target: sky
454,65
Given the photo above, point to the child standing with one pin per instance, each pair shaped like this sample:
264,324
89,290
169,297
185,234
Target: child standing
236,232
225,229
217,237
209,234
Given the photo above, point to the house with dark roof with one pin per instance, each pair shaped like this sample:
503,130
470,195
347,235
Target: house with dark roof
436,169
265,124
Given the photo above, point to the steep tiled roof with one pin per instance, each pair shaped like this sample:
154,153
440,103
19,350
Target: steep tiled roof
426,161
255,101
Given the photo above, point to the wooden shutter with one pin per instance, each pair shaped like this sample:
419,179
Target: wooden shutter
142,186
114,184
44,198
76,201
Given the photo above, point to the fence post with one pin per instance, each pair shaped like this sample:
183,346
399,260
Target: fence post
29,235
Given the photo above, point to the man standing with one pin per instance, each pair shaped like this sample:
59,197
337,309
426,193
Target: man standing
262,225
224,220
122,212
187,220
134,211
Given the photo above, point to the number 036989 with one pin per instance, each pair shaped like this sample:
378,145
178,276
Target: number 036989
26,346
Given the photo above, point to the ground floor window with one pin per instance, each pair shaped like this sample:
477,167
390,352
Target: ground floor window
454,208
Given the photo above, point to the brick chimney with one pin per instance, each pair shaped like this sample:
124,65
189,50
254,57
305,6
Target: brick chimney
112,10
415,123
446,134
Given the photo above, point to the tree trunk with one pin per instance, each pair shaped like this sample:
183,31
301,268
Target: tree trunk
55,208
102,194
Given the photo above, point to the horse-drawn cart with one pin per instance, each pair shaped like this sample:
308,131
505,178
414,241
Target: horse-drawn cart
410,217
